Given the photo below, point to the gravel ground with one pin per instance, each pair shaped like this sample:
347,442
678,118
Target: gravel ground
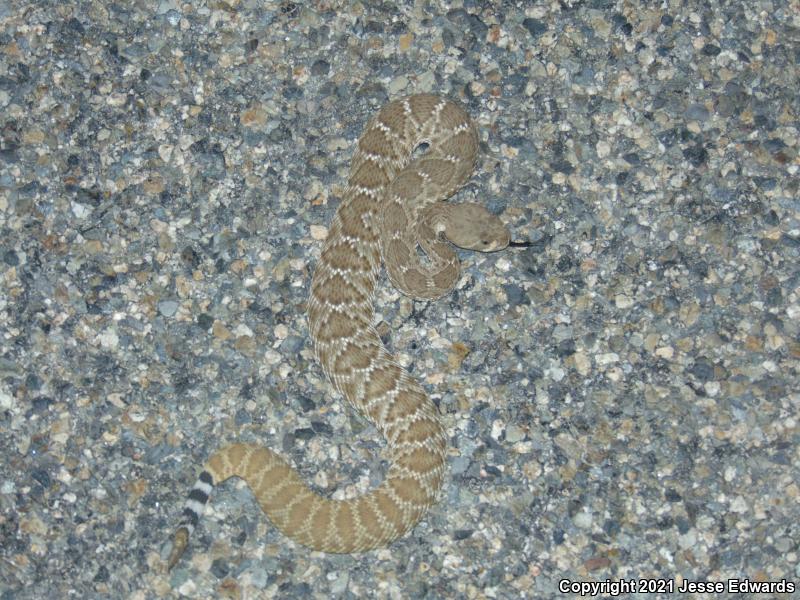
621,398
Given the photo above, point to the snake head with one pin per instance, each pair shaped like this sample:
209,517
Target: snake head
472,227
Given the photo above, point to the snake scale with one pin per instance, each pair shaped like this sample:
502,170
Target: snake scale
391,213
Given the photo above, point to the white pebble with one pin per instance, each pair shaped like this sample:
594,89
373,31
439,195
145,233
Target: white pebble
6,400
623,301
739,505
665,352
319,232
108,339
583,519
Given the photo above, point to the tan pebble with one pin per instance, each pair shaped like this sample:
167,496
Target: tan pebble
457,355
33,525
650,341
688,313
582,362
753,344
153,185
220,332
434,379
93,247
597,562
229,588
135,490
165,241
245,344
532,470
405,41
254,116
238,266
110,437
33,136
62,426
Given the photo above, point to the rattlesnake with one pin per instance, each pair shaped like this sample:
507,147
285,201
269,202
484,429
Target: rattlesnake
390,206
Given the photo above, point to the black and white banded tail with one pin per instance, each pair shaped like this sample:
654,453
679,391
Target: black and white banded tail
192,511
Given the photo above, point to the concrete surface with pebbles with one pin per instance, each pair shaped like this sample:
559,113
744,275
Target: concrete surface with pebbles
621,398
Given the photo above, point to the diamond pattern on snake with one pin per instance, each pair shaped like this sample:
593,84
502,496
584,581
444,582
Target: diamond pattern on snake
392,213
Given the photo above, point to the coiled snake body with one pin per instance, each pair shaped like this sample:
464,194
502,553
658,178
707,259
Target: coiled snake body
392,205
